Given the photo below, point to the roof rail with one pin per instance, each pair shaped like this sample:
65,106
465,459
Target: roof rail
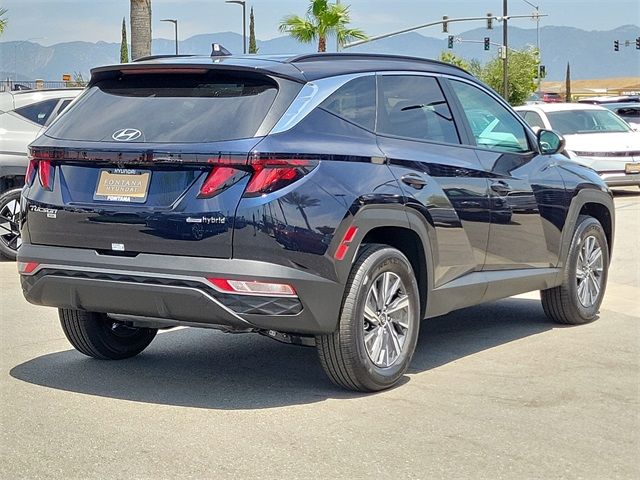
153,57
310,57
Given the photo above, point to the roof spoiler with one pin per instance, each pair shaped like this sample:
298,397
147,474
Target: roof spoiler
218,50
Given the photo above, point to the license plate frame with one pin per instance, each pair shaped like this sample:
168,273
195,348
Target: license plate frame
632,168
122,185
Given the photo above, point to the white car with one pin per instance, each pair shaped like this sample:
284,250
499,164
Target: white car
23,115
594,136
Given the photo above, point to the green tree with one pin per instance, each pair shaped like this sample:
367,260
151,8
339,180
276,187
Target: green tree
140,25
3,19
124,49
472,66
253,48
567,84
522,68
322,20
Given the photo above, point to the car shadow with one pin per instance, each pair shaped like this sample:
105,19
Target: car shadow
207,369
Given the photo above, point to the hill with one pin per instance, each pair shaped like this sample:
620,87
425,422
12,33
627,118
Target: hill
590,52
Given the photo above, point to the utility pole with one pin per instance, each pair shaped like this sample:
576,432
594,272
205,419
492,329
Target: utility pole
505,55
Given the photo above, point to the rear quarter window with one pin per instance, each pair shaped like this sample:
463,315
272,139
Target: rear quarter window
170,108
355,101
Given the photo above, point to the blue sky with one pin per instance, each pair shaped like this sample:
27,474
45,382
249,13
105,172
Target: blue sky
54,21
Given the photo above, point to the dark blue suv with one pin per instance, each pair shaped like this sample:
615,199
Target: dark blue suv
330,200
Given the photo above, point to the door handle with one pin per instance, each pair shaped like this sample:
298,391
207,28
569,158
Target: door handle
500,187
414,181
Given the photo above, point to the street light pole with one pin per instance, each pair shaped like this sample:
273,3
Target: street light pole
505,54
537,17
175,24
244,21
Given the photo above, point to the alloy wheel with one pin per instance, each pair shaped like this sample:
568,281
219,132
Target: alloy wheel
589,271
9,226
387,317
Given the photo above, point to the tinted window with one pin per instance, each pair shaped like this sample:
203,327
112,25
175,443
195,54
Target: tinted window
586,121
533,119
493,126
355,101
414,107
170,108
38,112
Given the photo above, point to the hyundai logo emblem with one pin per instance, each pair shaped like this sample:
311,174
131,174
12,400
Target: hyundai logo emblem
126,135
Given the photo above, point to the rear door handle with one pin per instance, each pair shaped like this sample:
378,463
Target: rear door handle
500,187
414,181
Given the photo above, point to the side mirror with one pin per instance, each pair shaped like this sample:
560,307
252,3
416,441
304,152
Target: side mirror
550,142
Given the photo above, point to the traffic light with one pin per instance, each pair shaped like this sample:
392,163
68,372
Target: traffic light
638,43
445,25
450,41
489,21
543,71
487,43
616,46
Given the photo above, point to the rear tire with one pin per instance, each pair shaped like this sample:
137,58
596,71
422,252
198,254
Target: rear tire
98,336
372,347
578,299
10,239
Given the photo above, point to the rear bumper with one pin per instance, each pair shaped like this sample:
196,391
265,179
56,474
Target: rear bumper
620,179
174,290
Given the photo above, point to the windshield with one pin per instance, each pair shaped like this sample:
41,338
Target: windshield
586,121
170,108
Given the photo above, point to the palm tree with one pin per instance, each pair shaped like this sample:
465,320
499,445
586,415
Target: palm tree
302,201
323,19
3,19
140,28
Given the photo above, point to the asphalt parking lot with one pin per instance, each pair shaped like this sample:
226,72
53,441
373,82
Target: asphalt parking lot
494,391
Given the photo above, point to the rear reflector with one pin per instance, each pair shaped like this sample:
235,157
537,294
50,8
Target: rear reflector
27,268
245,287
343,248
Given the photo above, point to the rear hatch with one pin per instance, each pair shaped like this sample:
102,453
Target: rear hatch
152,160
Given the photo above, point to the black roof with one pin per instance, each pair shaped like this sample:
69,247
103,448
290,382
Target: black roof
301,68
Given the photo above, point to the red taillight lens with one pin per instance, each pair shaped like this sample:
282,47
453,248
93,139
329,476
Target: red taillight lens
273,174
45,171
218,179
31,172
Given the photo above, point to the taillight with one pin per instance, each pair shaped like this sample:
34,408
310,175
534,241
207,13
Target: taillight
30,176
271,174
218,179
45,174
248,287
27,268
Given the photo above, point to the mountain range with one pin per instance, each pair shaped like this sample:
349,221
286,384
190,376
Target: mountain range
590,53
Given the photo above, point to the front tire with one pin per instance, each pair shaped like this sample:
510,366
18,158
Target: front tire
98,336
379,323
578,299
10,239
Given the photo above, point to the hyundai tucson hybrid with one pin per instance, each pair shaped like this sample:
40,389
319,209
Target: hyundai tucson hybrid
328,200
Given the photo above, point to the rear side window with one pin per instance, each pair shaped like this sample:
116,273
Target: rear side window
414,107
174,108
38,112
355,101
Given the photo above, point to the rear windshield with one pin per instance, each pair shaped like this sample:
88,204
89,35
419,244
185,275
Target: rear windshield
169,108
